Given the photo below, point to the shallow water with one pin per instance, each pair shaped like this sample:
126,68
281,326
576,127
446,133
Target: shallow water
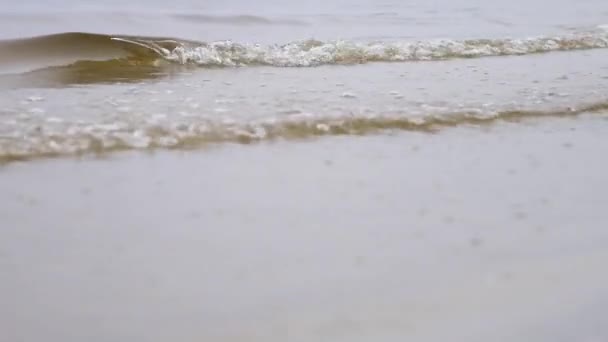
425,171
474,234
274,21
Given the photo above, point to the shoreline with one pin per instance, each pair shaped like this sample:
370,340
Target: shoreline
477,234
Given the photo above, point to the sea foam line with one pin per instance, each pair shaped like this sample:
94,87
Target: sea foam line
315,53
96,138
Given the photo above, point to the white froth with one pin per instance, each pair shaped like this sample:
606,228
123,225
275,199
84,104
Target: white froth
314,53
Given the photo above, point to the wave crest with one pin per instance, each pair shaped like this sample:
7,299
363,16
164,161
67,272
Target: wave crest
314,53
68,48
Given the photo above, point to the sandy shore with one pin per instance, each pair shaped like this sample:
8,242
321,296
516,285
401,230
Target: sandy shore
470,234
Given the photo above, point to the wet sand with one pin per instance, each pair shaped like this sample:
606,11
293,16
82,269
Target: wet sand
494,233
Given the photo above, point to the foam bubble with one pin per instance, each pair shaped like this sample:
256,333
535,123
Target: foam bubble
310,53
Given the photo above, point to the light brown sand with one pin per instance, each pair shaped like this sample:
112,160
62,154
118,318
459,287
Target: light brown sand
494,234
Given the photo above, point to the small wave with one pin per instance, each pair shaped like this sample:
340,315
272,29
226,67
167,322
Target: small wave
68,48
64,49
99,138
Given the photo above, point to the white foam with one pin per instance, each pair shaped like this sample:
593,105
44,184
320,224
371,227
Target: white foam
35,98
314,53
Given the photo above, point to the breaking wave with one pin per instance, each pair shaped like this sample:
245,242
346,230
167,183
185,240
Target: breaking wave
66,49
315,53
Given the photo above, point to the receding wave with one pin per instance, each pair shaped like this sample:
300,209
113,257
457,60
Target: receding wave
69,48
100,138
